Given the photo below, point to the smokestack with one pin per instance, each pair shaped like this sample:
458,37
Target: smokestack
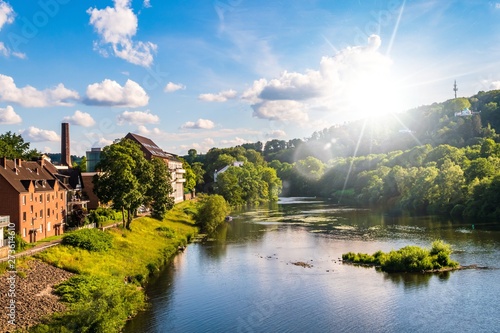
65,151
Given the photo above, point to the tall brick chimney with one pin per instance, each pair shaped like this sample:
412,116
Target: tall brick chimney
65,151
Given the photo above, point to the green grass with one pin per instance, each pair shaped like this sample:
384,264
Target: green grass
100,289
131,251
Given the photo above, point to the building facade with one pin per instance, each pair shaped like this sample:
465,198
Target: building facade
34,198
151,150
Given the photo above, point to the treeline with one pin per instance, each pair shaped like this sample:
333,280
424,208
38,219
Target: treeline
240,175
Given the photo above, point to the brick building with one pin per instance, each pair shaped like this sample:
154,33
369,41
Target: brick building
34,197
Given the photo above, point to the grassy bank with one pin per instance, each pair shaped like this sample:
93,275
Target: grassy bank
107,288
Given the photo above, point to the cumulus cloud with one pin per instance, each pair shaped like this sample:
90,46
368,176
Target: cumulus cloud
199,124
6,14
138,118
220,97
111,93
276,134
117,26
80,118
38,135
31,97
146,4
171,87
234,142
495,85
281,110
338,82
102,142
9,117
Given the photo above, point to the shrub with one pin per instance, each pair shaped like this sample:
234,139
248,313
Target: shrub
89,239
98,304
212,210
408,258
166,232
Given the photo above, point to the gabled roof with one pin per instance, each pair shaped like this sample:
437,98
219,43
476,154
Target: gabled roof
151,147
23,174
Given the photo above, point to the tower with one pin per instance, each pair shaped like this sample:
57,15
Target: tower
455,89
65,151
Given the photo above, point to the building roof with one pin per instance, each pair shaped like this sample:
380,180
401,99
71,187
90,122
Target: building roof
23,174
151,147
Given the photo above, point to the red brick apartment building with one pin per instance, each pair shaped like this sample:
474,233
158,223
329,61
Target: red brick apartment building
34,198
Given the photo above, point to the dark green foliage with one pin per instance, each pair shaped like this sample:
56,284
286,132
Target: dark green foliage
97,305
166,232
89,239
13,146
212,210
160,190
102,215
407,259
21,244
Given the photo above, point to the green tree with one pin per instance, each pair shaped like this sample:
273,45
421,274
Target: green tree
125,178
13,146
212,211
160,189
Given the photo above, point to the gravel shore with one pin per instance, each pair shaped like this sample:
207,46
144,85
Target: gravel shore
33,294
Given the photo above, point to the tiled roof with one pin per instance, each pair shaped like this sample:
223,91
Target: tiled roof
22,175
151,147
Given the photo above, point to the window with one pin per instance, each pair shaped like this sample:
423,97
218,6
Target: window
31,196
61,196
24,216
41,197
41,228
48,212
48,226
31,209
41,213
24,200
48,197
57,204
24,232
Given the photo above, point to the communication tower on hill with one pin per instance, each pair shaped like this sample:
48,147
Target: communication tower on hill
455,89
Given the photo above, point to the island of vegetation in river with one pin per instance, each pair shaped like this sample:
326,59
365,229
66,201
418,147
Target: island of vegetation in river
408,259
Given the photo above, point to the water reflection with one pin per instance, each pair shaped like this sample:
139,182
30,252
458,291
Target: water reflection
415,280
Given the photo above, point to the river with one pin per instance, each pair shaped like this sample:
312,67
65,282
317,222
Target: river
244,280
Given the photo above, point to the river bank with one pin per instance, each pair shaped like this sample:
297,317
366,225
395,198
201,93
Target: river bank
134,256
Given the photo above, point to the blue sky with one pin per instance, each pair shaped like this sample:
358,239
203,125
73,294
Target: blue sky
202,74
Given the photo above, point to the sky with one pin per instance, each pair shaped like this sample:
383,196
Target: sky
202,74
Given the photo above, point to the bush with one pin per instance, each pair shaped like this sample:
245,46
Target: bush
98,304
212,210
166,232
407,259
89,239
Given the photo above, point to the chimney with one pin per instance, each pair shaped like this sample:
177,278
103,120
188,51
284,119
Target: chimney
4,162
65,151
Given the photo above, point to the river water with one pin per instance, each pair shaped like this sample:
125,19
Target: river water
244,280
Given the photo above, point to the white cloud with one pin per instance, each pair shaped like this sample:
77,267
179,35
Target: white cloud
31,97
199,124
220,97
281,110
80,119
171,87
495,85
111,93
38,135
6,14
9,117
276,134
138,118
335,87
146,4
102,142
234,142
117,26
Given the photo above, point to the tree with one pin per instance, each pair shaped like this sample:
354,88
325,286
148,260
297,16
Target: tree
212,211
160,189
13,146
125,178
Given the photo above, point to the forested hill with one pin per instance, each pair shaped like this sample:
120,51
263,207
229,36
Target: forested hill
429,159
430,124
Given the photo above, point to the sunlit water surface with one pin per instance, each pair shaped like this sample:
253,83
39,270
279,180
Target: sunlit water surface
244,281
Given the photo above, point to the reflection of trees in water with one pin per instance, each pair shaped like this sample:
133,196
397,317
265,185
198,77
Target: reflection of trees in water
410,280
